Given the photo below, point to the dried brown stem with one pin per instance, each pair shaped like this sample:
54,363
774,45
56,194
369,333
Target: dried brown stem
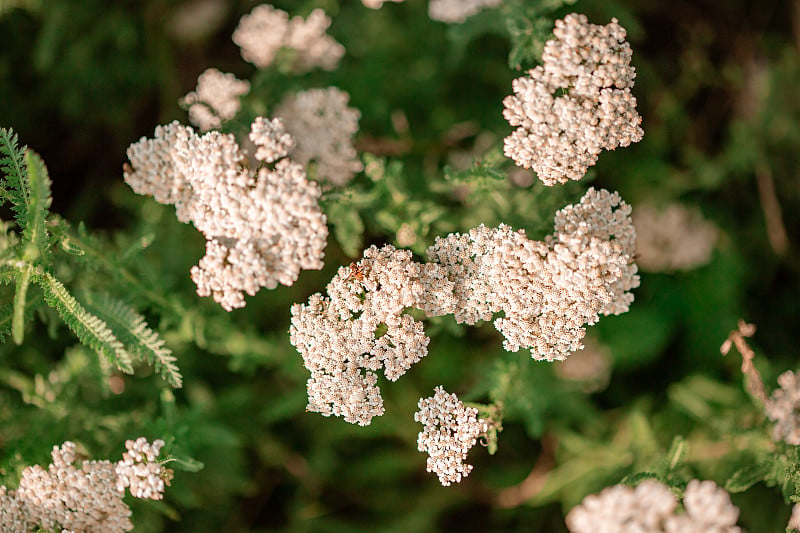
776,231
533,483
755,385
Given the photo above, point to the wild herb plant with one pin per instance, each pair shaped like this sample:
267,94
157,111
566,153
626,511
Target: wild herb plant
357,195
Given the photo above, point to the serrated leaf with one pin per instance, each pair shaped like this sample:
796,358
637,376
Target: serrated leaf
12,164
70,247
132,330
92,331
34,230
27,187
748,476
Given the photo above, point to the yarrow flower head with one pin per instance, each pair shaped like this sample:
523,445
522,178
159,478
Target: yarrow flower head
261,35
457,11
450,430
576,104
215,100
261,228
548,291
362,327
88,497
783,408
323,127
652,508
139,470
672,238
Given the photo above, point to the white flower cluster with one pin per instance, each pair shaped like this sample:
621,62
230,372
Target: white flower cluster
261,228
361,327
323,126
673,238
457,11
783,408
547,290
140,471
216,99
71,498
262,33
651,508
576,104
450,429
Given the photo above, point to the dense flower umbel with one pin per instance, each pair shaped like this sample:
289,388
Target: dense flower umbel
362,327
261,227
266,30
576,104
672,238
651,508
216,99
783,408
450,430
85,498
547,290
323,127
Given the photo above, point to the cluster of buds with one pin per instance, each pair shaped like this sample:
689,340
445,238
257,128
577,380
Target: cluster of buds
140,471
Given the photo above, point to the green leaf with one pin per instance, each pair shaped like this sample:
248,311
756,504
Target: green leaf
12,164
677,453
529,25
20,301
34,231
634,479
187,464
132,330
748,476
27,187
92,331
347,228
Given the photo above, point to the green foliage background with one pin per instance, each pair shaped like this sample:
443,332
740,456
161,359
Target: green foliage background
717,89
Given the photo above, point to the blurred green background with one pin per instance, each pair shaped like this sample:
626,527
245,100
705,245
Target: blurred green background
717,86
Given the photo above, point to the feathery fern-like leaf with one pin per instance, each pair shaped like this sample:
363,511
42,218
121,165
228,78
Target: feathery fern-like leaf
92,250
12,165
27,186
23,277
130,328
34,230
92,331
